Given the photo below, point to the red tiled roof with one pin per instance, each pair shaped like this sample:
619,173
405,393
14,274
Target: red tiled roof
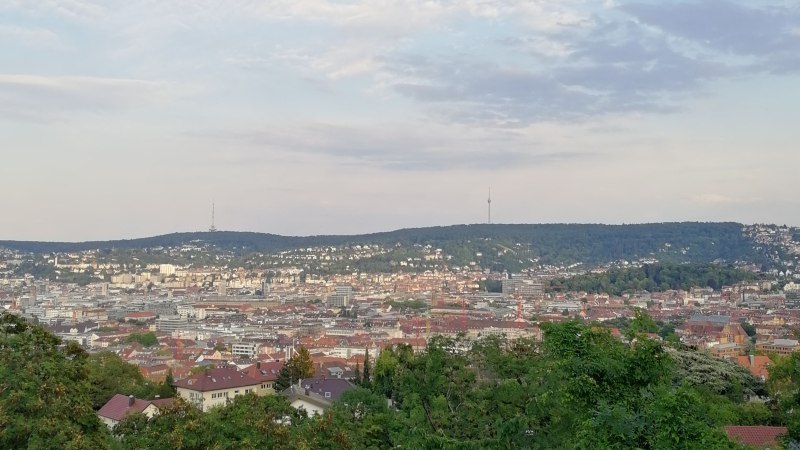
216,379
264,371
120,406
759,366
758,436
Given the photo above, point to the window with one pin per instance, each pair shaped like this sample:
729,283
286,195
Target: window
327,395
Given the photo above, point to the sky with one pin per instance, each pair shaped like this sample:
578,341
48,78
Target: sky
129,118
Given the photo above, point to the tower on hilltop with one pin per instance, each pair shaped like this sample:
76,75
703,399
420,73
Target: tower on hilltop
212,228
489,203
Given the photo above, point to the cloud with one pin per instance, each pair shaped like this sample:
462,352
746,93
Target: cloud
477,92
43,99
395,147
81,10
30,36
765,34
505,63
609,65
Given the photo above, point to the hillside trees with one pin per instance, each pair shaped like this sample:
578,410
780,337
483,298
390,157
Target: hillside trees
653,278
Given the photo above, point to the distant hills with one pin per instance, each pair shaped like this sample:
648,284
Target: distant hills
546,243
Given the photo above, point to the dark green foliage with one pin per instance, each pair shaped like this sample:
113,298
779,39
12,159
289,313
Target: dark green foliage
148,339
580,388
366,376
416,305
296,368
642,323
44,391
109,375
654,278
491,286
749,329
248,422
784,386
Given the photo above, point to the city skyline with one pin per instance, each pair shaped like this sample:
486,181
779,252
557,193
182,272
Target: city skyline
124,120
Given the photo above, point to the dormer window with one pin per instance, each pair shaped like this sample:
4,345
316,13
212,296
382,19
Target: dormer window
327,395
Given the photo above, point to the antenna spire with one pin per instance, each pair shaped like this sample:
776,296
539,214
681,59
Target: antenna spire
489,203
212,228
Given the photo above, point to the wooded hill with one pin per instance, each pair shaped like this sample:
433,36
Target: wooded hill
516,245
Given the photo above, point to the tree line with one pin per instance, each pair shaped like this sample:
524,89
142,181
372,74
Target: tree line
653,278
580,388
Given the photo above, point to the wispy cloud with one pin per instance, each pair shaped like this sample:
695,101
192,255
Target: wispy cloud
43,99
36,37
763,33
403,147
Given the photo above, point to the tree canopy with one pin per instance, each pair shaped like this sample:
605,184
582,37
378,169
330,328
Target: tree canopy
581,388
654,278
298,367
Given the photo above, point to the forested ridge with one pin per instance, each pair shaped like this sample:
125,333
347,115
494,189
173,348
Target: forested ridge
653,278
579,389
547,243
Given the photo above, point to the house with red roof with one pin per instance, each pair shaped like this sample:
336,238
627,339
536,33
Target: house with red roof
761,437
215,387
266,373
121,406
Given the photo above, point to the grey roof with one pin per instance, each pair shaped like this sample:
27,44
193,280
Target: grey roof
719,320
329,388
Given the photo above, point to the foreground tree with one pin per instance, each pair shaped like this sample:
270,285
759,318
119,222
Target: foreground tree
298,367
44,392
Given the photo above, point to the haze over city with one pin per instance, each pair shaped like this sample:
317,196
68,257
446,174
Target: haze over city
125,119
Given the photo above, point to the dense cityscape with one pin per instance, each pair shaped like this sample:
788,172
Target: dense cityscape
415,224
185,315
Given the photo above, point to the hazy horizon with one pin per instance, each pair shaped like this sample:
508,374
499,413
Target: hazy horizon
312,117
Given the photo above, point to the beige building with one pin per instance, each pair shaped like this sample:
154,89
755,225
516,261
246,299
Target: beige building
215,387
779,346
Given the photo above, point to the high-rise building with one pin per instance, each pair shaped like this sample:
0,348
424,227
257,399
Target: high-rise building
523,286
341,296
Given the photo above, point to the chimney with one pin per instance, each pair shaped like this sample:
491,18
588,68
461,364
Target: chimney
131,399
258,365
158,396
307,392
752,360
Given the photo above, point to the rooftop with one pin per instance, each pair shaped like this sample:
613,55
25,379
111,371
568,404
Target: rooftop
216,379
758,436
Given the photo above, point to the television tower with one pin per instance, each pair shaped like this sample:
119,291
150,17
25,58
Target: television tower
489,203
212,228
